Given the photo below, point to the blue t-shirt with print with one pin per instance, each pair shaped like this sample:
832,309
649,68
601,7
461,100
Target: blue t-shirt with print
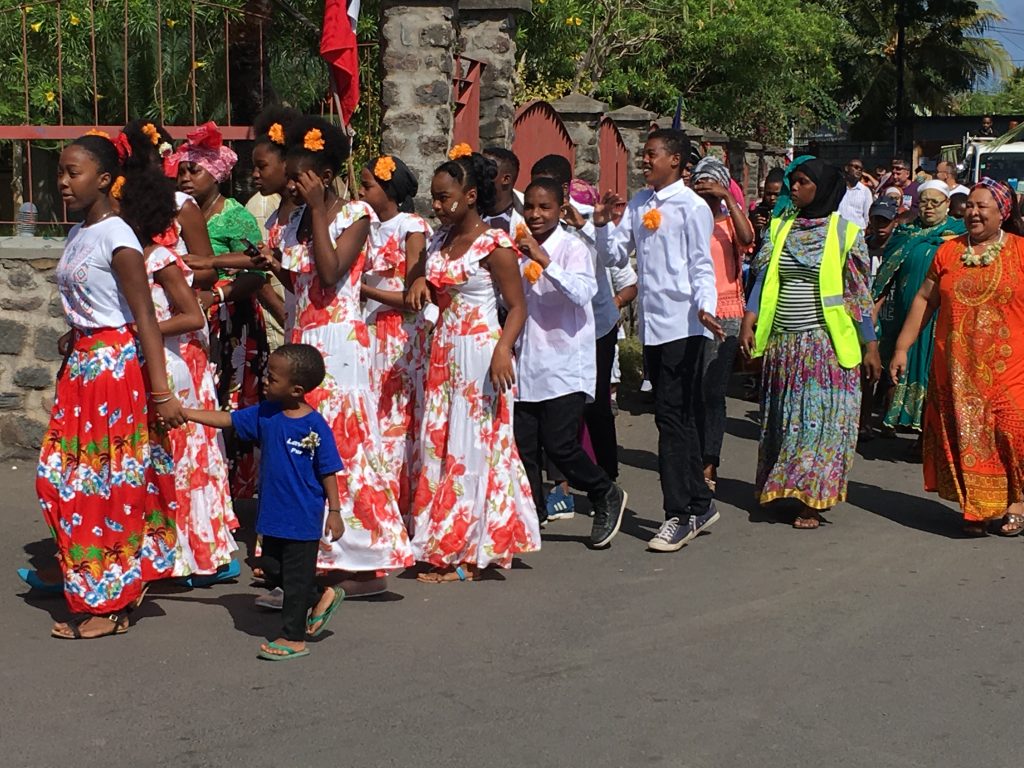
294,455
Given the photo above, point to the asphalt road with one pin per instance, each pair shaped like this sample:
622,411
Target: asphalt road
882,639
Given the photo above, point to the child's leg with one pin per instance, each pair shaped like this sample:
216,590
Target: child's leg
560,436
269,561
527,431
298,571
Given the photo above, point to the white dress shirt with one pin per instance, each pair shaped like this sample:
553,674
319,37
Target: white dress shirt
606,314
555,354
856,205
677,274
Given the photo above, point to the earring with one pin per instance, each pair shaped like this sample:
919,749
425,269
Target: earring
455,206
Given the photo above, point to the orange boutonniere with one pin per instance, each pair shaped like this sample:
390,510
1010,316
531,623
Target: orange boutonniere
521,232
460,150
313,140
652,219
384,167
276,134
151,133
532,271
116,187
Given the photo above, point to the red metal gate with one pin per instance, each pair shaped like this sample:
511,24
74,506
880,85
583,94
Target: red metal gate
539,131
466,124
614,159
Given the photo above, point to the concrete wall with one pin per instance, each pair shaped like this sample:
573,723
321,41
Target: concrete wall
31,321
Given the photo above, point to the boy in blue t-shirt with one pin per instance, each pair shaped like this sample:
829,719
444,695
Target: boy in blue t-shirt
298,465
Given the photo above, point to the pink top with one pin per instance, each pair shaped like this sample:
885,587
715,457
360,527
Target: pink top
728,269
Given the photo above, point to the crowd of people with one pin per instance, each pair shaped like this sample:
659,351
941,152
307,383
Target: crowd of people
393,393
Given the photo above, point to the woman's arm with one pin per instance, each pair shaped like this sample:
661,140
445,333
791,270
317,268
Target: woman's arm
744,233
197,242
187,316
271,302
130,270
921,310
504,268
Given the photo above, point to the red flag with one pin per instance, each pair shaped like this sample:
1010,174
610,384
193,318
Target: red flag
338,49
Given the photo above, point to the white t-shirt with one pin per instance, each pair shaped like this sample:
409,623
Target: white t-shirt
88,289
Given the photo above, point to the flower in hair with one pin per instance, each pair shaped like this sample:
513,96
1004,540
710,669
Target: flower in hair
384,167
206,136
124,147
165,149
313,140
97,132
652,219
151,133
460,150
276,134
117,187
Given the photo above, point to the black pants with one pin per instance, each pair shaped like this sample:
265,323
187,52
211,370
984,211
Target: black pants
719,360
675,370
553,427
291,565
598,414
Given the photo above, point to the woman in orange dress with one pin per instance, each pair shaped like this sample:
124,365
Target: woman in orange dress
974,416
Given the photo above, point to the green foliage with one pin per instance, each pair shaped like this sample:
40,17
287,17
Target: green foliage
1008,99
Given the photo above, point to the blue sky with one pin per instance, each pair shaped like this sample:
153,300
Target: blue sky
1013,36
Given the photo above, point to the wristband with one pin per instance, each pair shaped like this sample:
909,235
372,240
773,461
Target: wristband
161,402
329,511
158,394
220,293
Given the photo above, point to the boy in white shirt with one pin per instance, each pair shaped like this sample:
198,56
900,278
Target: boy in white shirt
559,283
670,228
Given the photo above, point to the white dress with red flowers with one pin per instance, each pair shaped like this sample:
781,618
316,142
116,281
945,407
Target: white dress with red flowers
330,319
473,502
205,516
398,341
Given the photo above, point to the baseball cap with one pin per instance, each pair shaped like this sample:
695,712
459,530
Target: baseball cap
885,208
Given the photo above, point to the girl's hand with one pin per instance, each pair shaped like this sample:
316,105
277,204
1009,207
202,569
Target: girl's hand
198,262
311,190
572,216
712,188
605,209
872,363
334,527
502,372
747,338
531,248
269,259
417,295
170,412
898,366
64,344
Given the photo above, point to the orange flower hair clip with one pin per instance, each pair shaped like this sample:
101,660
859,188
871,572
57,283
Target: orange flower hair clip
460,150
276,134
652,219
117,187
151,133
97,132
384,167
313,140
532,271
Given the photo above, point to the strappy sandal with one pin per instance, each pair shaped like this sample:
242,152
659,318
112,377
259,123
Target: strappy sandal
119,625
1015,523
444,577
807,523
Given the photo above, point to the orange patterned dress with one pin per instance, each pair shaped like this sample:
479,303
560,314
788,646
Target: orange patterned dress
974,418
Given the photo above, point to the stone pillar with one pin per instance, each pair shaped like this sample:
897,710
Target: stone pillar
487,30
417,49
634,124
582,116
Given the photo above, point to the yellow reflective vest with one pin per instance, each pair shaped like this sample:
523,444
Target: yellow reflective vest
840,325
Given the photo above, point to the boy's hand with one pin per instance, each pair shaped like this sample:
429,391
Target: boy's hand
334,526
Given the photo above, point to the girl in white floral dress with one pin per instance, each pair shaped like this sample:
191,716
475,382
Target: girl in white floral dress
322,258
398,336
472,507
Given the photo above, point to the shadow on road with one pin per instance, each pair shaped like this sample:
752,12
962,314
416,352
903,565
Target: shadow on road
745,429
906,510
638,458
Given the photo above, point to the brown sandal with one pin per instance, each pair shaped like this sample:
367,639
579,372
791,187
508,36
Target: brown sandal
119,625
1013,525
807,523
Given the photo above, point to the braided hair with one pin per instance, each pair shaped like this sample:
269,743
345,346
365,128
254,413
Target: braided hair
474,172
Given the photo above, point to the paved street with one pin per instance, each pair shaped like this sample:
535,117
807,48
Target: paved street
883,639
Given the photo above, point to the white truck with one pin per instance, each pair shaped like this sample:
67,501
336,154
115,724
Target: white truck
983,156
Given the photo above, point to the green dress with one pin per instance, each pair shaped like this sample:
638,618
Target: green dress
905,263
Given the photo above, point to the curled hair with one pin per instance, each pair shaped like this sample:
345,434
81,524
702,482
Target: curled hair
144,151
283,116
148,205
503,156
103,152
553,166
549,185
306,364
675,141
775,176
335,143
474,172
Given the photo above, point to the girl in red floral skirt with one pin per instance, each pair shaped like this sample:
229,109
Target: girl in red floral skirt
99,473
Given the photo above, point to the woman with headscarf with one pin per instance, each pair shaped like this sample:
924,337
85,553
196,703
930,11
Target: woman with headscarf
812,309
907,258
238,332
974,414
730,240
398,336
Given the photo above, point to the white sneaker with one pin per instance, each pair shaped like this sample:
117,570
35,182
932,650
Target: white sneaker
273,600
646,386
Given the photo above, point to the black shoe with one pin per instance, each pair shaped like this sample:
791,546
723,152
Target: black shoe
608,517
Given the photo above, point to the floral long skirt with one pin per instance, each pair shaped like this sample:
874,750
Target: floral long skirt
104,478
205,516
809,413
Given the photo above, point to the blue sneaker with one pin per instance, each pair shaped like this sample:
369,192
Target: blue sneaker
674,533
561,505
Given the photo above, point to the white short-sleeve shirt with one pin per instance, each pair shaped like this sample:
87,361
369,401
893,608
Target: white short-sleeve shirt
88,288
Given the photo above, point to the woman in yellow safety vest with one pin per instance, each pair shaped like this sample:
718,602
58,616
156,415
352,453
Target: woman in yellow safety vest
811,307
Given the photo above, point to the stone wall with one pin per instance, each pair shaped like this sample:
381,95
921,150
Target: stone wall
31,321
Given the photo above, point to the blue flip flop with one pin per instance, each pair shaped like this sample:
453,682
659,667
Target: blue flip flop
31,578
287,655
199,580
325,617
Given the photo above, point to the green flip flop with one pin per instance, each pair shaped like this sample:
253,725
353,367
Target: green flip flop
325,617
288,655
